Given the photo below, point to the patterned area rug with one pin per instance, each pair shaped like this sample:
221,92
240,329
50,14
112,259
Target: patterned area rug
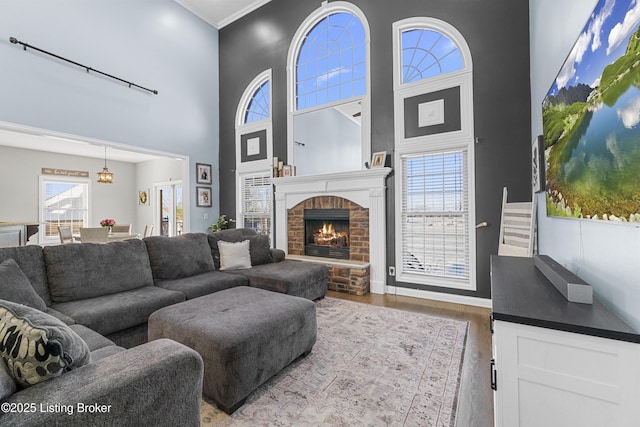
371,366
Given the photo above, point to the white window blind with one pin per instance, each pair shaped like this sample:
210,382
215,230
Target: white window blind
64,203
257,197
435,215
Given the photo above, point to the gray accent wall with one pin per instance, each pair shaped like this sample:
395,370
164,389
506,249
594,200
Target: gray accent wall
154,43
497,32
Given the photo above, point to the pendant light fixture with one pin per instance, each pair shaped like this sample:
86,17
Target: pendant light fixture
105,177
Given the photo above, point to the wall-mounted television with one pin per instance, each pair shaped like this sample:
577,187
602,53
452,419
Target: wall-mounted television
591,120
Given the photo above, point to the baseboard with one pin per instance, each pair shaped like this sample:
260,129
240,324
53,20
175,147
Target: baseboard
439,296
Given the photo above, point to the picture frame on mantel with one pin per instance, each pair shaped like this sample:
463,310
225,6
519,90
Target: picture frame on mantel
203,173
379,159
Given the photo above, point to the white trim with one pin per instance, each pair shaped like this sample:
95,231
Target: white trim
225,21
42,238
247,96
323,11
438,296
461,139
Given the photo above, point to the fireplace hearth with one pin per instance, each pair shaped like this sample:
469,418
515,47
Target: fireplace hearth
326,233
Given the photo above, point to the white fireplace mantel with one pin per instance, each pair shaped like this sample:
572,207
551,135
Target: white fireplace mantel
366,187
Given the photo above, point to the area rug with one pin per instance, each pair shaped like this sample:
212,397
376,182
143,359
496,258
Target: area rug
371,366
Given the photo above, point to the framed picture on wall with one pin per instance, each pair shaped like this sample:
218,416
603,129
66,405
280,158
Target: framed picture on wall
537,164
203,197
143,197
203,173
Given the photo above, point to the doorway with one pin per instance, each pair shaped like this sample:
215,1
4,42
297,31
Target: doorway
169,216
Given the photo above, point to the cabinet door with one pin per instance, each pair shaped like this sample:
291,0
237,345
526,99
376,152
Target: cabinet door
552,378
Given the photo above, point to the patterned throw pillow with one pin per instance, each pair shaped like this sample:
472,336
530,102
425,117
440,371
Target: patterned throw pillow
37,346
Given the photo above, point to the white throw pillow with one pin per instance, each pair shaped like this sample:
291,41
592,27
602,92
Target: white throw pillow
234,255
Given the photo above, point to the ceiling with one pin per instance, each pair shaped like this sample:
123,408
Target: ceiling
221,12
218,13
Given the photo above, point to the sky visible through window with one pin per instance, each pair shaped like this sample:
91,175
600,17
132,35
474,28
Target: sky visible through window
427,53
258,108
331,63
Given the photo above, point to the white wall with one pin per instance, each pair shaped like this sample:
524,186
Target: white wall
605,255
154,43
19,186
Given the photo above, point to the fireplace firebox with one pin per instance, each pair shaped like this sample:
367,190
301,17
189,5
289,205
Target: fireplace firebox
326,233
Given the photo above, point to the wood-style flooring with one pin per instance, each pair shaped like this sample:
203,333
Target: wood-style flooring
475,404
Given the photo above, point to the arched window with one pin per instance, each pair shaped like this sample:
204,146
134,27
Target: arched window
434,155
260,104
328,91
427,53
331,65
254,156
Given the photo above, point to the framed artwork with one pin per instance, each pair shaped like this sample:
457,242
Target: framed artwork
203,197
379,159
143,197
287,170
203,173
537,164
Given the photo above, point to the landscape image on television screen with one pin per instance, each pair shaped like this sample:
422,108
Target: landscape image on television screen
591,118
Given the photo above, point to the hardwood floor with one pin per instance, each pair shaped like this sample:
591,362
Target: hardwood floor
475,404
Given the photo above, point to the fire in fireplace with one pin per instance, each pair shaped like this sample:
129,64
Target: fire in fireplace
327,233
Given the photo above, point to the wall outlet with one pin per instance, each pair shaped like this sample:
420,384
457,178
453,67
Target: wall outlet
392,271
206,216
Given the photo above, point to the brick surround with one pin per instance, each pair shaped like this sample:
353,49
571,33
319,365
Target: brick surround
342,277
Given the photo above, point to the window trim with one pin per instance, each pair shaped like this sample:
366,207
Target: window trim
240,197
462,139
42,179
316,16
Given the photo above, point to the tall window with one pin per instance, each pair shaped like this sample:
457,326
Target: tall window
435,236
63,203
328,91
254,156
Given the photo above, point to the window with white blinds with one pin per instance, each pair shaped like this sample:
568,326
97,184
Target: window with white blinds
63,203
435,215
257,195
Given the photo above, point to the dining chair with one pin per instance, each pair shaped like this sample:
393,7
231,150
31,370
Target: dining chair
66,234
94,235
121,228
148,229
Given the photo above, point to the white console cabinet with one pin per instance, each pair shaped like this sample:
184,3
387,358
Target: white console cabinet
557,363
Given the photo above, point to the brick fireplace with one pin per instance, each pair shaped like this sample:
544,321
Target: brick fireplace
362,193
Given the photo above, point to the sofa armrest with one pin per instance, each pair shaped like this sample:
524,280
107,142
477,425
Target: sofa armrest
277,255
158,383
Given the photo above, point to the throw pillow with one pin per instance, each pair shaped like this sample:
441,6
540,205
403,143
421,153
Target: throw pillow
37,346
260,250
16,287
7,384
234,255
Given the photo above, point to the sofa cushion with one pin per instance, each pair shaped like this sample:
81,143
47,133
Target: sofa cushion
31,262
89,270
15,286
203,284
234,255
232,235
260,250
181,256
112,313
36,346
93,339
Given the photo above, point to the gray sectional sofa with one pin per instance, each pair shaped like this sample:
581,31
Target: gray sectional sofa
105,294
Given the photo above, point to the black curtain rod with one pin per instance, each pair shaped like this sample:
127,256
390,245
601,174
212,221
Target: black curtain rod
25,46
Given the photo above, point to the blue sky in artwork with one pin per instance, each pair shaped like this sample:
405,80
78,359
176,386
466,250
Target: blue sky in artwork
602,41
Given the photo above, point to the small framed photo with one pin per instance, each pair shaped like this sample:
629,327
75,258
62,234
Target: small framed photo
203,173
537,165
379,159
287,170
143,197
203,197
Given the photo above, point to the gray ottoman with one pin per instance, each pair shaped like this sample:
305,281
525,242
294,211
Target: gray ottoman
244,335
